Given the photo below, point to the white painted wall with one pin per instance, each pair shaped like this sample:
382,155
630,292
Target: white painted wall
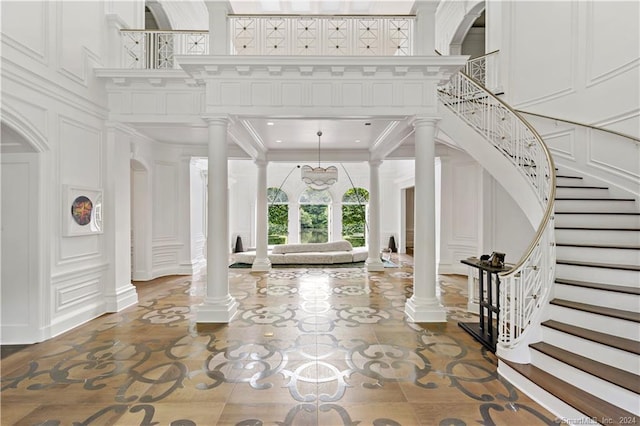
49,50
582,65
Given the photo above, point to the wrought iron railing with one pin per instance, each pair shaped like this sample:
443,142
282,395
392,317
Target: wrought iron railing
321,35
149,49
484,69
526,286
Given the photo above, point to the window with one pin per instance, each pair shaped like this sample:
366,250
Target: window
354,216
314,216
278,216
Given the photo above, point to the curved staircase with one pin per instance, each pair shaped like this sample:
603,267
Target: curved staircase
589,355
569,324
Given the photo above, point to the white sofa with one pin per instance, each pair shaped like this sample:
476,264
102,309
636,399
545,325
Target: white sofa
309,253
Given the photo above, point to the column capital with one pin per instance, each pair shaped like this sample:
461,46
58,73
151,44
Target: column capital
420,121
222,119
375,163
260,162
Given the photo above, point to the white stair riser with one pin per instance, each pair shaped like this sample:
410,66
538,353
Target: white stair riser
595,206
598,275
586,236
598,220
602,353
582,192
552,403
608,299
595,322
600,388
594,254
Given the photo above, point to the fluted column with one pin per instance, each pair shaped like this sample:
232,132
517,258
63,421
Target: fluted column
261,262
373,262
424,306
218,304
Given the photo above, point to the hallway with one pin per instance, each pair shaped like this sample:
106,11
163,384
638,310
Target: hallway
307,347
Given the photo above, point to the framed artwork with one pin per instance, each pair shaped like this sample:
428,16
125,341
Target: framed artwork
82,211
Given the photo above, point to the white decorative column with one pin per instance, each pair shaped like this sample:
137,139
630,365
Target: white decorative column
261,262
425,27
373,262
218,304
424,306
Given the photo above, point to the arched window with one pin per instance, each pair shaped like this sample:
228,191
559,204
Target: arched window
278,215
354,216
314,216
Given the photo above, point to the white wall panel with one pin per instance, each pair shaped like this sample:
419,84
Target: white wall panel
80,156
542,57
611,49
79,45
561,143
25,26
614,154
145,102
464,194
165,200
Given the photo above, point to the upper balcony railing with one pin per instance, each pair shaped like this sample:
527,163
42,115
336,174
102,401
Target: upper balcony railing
321,35
151,49
276,35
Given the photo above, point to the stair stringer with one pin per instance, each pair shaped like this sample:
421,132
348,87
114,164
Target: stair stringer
499,166
517,186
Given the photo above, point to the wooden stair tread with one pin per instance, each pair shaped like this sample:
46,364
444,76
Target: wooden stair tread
592,228
599,265
582,187
612,213
600,286
600,310
603,246
593,199
618,377
590,405
616,342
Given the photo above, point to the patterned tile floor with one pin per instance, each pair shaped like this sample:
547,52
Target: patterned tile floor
307,347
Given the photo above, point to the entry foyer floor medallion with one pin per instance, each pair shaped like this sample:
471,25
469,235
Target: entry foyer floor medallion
315,346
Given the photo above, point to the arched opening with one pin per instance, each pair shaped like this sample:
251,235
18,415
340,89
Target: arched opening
315,214
155,18
355,203
278,216
22,298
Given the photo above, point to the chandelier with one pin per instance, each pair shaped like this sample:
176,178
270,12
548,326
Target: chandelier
319,178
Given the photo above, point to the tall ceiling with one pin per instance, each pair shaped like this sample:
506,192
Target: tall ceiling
317,7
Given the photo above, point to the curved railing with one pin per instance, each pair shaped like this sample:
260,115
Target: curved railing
525,287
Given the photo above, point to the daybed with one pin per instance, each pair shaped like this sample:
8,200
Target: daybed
309,253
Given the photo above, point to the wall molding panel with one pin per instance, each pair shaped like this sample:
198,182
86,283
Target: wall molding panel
37,20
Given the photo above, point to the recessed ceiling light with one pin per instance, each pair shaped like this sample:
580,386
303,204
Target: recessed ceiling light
357,140
269,123
278,141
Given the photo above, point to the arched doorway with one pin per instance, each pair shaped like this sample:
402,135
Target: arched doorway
315,216
23,297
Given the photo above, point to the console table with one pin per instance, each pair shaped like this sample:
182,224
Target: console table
485,331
